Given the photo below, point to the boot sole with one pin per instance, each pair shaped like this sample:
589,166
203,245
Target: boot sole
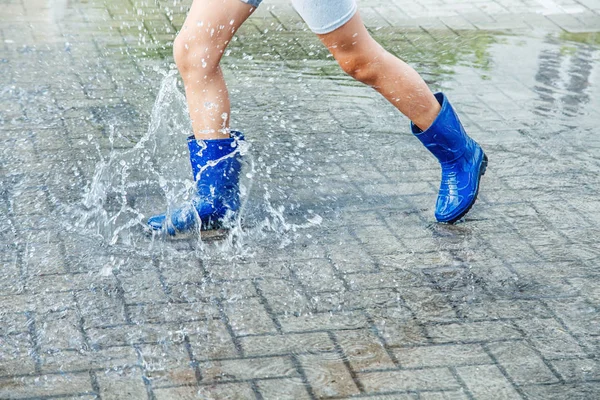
210,230
207,235
482,170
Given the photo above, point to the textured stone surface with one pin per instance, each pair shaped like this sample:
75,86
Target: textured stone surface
341,285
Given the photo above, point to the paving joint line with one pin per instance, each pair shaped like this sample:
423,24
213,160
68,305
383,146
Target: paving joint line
300,369
193,362
33,336
264,302
141,365
503,371
346,362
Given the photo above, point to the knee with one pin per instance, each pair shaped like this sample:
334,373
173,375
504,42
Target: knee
362,67
196,55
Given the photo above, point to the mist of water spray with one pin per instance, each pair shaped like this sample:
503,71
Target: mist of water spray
129,185
116,198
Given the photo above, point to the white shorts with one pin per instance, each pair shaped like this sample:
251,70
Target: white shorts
321,16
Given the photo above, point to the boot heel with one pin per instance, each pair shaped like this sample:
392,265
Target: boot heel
484,165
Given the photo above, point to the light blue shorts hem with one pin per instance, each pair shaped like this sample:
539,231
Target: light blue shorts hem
321,16
333,25
253,3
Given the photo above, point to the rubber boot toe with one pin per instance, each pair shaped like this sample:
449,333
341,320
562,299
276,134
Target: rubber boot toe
157,222
460,185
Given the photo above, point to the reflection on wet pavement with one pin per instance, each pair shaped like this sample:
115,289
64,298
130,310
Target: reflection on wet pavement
337,283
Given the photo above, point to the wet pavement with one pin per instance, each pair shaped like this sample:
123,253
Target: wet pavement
337,283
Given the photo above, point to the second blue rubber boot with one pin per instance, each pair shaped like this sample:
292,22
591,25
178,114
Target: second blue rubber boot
216,165
462,159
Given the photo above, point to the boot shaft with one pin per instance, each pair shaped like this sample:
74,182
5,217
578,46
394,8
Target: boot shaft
446,138
217,162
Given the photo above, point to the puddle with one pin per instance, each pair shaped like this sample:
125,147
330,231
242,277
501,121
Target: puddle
335,263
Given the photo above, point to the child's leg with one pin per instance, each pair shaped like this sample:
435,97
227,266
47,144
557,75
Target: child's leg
364,59
435,123
214,151
198,48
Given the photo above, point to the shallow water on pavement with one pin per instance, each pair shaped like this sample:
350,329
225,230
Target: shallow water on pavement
337,282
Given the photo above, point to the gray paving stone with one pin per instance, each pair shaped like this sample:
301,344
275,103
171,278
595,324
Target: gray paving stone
398,328
211,339
377,301
148,291
428,304
446,395
16,359
122,385
249,368
54,286
245,271
569,23
328,375
484,331
122,335
550,338
371,300
220,391
588,321
13,323
323,321
441,356
577,369
522,363
558,391
426,379
282,344
249,317
393,278
364,350
276,389
167,365
14,303
59,330
48,385
496,386
114,358
318,276
178,312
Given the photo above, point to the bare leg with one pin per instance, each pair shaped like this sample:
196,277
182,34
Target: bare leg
361,57
462,160
198,48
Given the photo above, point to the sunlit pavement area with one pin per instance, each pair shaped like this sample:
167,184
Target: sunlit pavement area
338,283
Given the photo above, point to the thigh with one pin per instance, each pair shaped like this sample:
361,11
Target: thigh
325,16
215,20
352,40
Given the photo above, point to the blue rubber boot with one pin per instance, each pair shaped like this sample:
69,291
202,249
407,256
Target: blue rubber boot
462,159
216,166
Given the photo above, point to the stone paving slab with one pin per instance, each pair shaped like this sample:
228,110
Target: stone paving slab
377,301
546,15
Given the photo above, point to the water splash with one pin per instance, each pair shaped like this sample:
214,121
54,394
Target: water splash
113,203
129,185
